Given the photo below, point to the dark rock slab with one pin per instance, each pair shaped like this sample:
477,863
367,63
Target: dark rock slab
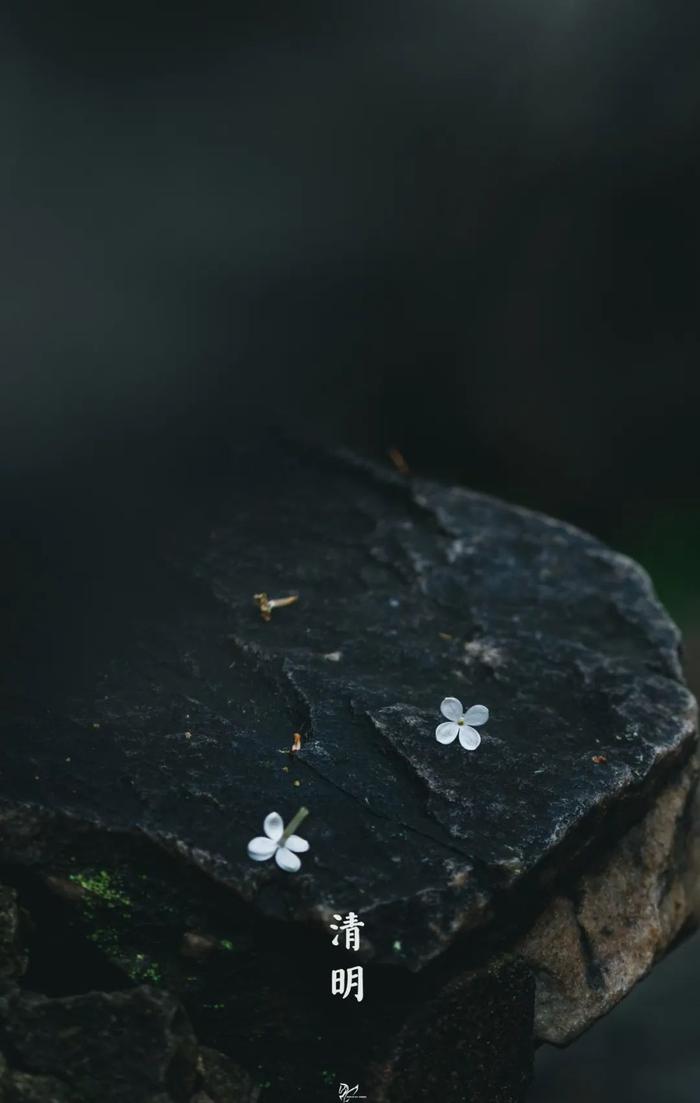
482,1020
116,1047
132,1046
13,958
222,1080
173,744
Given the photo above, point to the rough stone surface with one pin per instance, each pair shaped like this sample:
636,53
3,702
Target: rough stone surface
589,947
129,791
483,1021
116,1047
23,1087
223,1080
13,959
132,1046
425,591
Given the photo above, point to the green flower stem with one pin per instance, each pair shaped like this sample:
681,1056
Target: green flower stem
294,823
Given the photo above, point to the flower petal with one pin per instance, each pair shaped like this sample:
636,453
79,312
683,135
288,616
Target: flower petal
452,709
286,860
260,848
446,733
273,826
469,737
476,715
297,844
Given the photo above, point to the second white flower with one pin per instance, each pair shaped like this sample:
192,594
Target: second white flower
461,723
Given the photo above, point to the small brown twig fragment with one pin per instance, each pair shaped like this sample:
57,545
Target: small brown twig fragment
266,604
198,946
62,886
599,759
399,461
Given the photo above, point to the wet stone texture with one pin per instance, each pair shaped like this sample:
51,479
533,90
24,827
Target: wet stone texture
128,796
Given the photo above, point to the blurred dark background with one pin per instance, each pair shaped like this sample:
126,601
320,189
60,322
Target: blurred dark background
467,231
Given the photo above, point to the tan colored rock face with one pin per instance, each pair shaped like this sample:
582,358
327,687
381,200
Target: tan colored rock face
589,948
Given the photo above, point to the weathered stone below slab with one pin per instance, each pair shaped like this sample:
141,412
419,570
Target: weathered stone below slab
110,1047
103,1047
594,942
447,1049
223,1080
23,1087
13,958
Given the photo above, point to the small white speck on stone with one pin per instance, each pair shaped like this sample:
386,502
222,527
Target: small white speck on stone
484,652
333,656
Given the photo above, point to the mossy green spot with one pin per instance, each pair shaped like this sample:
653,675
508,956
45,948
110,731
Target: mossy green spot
102,885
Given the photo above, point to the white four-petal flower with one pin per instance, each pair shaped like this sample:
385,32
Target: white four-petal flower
286,851
461,723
